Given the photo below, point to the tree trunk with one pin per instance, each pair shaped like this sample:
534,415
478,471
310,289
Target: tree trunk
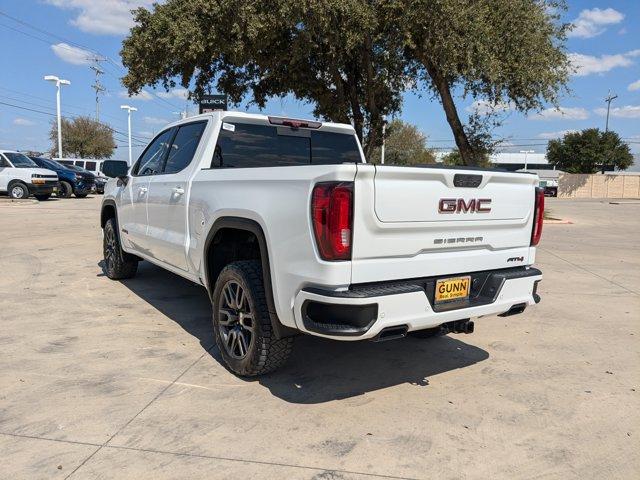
464,147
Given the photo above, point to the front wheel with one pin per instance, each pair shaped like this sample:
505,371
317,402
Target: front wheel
64,190
118,264
241,322
18,191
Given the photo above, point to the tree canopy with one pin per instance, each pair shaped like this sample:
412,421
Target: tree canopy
353,59
587,151
404,145
83,137
454,158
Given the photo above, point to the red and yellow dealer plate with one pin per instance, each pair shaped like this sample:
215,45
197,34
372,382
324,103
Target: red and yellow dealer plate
449,289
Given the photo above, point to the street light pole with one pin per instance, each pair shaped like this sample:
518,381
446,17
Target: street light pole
129,110
58,81
526,152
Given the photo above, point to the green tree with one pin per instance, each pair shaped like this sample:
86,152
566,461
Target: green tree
404,145
587,151
510,53
454,158
336,54
353,59
83,137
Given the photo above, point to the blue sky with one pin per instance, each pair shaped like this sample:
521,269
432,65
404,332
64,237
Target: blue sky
58,37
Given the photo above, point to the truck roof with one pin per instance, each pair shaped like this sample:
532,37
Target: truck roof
261,119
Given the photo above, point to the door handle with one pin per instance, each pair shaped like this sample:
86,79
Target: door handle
142,190
178,190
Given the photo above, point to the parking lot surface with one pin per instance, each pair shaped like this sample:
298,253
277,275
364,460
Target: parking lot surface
104,379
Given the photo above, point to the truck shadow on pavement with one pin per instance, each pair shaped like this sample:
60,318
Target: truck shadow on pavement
319,370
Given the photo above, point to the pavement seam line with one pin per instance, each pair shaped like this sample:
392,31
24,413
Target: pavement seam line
589,271
258,462
198,455
137,414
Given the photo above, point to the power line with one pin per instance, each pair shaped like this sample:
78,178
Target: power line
96,53
53,115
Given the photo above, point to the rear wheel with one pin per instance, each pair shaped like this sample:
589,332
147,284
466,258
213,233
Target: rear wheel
18,191
118,264
241,322
42,197
65,190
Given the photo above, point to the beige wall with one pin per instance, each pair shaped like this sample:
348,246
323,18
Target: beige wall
577,185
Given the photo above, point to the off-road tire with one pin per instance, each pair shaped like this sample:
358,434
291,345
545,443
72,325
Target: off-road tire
43,197
265,353
427,333
65,189
18,191
118,264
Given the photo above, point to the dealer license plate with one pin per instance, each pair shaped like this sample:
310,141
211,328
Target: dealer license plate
449,289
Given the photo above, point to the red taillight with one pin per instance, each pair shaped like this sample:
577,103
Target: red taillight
538,217
332,215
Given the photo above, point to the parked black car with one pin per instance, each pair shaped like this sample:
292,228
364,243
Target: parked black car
70,181
100,183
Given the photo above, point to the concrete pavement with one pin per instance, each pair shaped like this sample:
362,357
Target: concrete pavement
103,379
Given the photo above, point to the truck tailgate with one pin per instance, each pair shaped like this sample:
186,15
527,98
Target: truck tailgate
412,222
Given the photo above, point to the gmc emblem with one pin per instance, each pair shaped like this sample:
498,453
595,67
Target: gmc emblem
460,205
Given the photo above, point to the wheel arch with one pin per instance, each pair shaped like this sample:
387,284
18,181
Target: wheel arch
241,224
108,211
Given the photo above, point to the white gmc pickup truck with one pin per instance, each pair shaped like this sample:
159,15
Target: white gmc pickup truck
290,230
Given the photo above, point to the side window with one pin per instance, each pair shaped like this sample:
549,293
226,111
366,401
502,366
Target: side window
184,146
3,162
329,148
150,163
91,166
246,145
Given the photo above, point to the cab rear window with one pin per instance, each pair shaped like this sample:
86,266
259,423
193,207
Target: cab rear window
249,146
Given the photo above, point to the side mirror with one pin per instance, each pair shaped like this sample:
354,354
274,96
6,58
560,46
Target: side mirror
115,168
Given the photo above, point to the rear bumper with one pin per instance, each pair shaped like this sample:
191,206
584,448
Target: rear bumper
364,310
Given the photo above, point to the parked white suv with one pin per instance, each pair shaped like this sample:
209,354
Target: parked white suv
290,231
21,177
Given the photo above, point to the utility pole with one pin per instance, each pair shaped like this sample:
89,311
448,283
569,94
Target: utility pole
58,82
129,110
526,152
97,86
610,98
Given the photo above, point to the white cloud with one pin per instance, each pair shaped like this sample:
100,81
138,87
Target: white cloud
141,95
23,122
155,121
634,86
180,92
484,107
562,113
589,64
591,23
110,17
554,135
74,55
628,111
